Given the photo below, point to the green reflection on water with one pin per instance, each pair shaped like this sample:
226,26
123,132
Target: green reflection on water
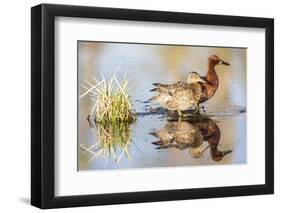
112,141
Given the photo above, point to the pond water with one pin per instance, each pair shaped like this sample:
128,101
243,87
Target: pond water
144,64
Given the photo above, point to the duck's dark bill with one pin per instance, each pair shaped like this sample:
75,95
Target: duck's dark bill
202,79
224,63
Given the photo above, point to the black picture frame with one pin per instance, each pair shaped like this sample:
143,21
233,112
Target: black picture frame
43,105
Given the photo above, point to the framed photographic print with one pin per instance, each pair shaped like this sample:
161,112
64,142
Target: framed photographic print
139,106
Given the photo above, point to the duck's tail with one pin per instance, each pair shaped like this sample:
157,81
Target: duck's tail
159,87
161,145
155,90
156,84
154,98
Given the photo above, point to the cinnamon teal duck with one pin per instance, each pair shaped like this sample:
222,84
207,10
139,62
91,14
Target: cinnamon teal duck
180,96
191,135
212,80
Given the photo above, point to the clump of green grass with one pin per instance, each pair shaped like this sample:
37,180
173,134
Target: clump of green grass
112,102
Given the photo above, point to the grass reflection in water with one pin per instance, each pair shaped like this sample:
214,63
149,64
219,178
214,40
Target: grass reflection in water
112,141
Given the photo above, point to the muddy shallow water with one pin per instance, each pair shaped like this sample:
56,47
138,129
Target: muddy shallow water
145,64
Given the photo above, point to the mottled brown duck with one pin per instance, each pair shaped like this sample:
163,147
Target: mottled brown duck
180,135
181,95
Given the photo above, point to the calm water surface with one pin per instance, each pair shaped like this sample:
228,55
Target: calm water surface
144,65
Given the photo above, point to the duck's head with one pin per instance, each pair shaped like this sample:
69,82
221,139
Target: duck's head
215,60
218,155
196,152
194,77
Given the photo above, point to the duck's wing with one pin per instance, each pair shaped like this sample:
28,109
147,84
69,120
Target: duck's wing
182,97
178,88
188,90
159,87
168,88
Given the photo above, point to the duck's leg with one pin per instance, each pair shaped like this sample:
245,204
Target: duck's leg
172,115
197,109
180,115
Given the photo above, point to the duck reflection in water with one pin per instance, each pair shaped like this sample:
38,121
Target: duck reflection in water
190,134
